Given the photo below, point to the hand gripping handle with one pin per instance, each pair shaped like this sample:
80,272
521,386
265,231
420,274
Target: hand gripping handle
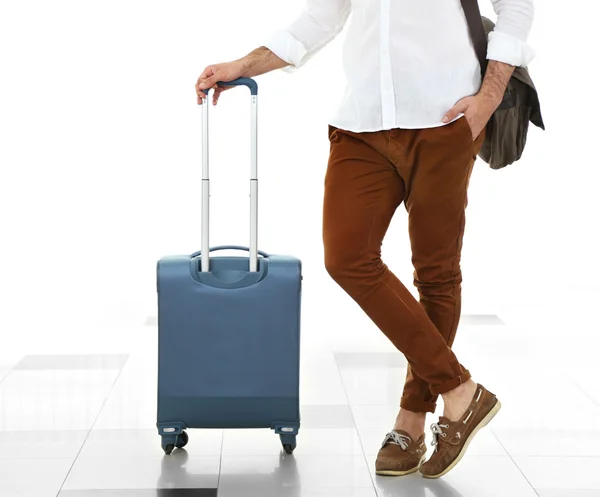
249,82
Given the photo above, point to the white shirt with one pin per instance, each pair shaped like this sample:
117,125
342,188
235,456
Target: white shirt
407,62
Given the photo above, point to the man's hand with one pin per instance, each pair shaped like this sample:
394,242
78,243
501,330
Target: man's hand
478,110
257,62
209,78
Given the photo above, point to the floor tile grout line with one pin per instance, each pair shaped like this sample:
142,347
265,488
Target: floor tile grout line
220,460
93,424
513,461
553,456
10,370
354,422
583,391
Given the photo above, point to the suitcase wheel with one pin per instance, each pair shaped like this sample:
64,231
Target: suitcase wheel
288,442
169,442
182,440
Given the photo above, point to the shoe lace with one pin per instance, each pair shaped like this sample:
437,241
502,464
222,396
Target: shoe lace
396,438
436,428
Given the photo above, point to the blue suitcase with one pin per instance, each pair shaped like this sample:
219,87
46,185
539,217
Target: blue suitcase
228,331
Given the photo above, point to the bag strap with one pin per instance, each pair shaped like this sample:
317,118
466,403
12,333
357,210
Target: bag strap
477,31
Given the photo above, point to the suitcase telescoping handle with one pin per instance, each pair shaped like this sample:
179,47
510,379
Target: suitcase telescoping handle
205,252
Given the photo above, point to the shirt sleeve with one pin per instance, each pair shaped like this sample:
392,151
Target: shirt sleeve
508,41
319,23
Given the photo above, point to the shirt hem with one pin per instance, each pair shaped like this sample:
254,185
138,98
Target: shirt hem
367,129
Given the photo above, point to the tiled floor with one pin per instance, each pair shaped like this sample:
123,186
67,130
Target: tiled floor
83,425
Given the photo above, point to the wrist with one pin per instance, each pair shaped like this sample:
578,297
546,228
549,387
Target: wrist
490,100
244,65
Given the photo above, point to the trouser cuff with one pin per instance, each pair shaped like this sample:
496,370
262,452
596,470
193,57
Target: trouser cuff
451,384
416,405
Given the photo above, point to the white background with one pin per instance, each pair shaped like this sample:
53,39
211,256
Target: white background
100,167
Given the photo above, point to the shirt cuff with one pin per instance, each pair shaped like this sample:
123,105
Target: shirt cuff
283,44
508,49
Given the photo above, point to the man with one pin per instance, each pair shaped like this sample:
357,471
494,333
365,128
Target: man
408,129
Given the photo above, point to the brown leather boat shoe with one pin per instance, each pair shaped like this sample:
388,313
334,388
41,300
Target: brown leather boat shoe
399,455
451,438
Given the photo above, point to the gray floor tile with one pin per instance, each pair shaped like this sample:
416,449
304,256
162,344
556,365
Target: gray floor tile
144,443
48,400
321,383
41,444
33,477
289,476
374,417
568,492
555,442
178,470
312,442
326,416
252,491
48,413
561,473
374,386
159,492
46,362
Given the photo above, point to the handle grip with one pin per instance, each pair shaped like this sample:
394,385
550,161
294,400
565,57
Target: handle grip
249,82
228,247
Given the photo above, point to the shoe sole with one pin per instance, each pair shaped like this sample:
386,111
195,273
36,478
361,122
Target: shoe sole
490,415
401,473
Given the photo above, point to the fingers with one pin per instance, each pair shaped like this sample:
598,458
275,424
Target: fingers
203,94
218,92
451,114
208,80
461,106
204,84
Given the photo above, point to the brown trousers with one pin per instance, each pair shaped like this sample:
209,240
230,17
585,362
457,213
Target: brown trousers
368,176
